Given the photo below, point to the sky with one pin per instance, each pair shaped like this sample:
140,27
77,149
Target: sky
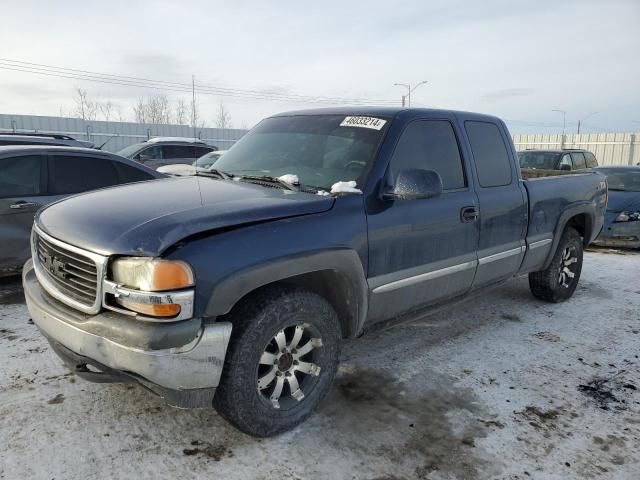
518,60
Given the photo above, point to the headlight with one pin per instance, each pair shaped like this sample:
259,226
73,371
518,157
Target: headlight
141,277
628,217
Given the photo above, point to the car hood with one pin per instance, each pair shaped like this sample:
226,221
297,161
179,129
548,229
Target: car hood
148,217
622,201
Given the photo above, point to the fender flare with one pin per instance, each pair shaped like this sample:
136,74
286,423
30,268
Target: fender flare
578,208
344,262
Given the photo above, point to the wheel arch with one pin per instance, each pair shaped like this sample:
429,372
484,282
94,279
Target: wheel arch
579,217
336,275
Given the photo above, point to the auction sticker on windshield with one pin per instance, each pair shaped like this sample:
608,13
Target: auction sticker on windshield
363,122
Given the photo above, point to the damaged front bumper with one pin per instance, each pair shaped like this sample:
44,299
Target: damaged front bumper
184,375
620,234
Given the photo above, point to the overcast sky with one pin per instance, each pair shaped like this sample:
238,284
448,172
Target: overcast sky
518,60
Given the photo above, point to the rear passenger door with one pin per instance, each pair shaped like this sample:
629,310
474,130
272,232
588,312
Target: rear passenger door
423,251
503,213
23,183
178,154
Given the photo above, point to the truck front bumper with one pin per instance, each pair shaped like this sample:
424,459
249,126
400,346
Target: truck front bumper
186,375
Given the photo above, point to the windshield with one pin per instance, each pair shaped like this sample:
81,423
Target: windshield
626,181
207,160
129,151
319,149
540,160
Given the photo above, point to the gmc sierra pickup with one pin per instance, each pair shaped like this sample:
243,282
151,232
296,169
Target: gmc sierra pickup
233,288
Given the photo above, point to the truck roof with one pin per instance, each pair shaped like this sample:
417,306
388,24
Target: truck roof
385,111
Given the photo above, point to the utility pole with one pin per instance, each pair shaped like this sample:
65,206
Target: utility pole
409,91
583,119
564,119
193,104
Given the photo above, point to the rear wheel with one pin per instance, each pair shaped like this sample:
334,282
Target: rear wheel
558,282
281,360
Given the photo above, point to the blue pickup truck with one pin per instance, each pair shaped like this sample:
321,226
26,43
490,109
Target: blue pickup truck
233,288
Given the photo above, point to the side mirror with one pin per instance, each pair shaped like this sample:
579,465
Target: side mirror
413,184
565,167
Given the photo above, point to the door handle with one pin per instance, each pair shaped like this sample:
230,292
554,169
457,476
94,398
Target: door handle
21,204
469,214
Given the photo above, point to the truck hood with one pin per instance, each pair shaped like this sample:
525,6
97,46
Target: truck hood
148,217
621,201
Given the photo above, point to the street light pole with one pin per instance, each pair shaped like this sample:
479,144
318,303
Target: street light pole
583,119
564,118
410,90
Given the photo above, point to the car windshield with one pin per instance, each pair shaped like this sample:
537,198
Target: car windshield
130,150
319,150
626,181
207,160
539,160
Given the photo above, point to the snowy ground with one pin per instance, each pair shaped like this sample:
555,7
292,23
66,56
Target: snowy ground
503,387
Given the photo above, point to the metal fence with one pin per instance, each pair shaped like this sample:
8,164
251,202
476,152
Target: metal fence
609,148
116,135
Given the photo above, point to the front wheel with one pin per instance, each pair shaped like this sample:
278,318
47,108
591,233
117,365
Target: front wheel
558,282
281,360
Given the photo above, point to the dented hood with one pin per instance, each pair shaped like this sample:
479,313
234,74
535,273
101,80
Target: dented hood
148,217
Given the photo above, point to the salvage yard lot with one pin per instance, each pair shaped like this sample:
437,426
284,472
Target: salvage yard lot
503,386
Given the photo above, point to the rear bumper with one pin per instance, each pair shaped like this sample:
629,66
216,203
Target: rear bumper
197,365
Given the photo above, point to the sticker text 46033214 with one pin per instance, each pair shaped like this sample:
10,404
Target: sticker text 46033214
363,122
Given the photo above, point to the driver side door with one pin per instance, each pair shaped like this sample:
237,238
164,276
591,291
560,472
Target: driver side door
423,251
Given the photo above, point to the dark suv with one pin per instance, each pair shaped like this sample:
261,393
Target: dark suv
161,151
566,159
33,176
20,138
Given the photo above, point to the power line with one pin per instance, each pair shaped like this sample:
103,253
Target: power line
123,80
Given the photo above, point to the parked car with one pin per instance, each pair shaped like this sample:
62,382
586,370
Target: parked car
234,289
566,159
33,176
161,151
622,220
21,138
202,164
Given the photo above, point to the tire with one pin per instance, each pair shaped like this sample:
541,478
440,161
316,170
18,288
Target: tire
263,324
555,284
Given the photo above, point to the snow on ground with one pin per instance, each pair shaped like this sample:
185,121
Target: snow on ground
503,386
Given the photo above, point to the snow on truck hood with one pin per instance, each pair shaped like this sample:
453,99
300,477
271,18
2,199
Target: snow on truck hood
148,217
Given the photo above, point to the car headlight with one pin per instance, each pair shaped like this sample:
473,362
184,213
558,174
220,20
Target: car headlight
628,217
144,280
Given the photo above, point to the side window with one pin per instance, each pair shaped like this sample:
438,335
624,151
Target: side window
75,174
151,153
430,145
578,160
200,151
490,154
591,160
178,151
129,174
565,163
21,175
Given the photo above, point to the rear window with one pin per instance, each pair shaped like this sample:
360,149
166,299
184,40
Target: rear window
490,154
178,151
591,160
129,174
75,174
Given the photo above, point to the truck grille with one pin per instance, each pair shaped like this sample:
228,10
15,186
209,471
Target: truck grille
67,274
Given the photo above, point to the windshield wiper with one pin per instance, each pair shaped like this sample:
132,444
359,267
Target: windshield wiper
270,179
212,172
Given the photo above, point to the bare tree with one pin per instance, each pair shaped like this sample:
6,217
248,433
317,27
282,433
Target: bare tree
155,110
140,111
223,118
85,108
181,112
107,109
